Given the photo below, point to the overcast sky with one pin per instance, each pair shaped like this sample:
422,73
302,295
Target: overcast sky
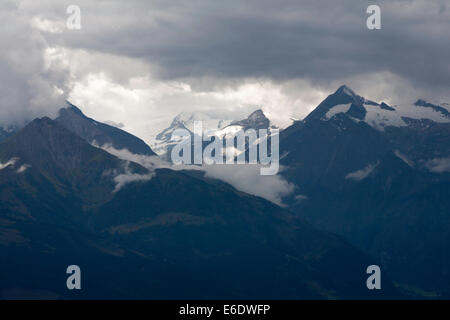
139,63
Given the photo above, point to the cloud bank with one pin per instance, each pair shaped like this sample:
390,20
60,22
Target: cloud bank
245,178
140,63
30,85
439,165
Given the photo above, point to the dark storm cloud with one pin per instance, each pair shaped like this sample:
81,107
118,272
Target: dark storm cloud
30,86
210,44
318,40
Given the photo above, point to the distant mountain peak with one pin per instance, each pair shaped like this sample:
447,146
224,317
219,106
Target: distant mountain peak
426,104
94,132
256,120
421,103
344,89
386,107
40,122
347,93
60,158
211,126
45,136
344,95
71,107
256,113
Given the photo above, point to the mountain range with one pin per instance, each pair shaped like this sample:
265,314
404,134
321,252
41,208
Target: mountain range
156,234
380,177
100,133
371,187
214,128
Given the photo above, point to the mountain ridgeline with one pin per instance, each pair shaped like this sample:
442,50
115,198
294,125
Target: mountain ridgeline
372,187
156,234
380,177
212,128
100,133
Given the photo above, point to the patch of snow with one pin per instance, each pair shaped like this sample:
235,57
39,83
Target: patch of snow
122,179
162,142
23,168
227,132
404,158
8,163
284,155
300,197
340,108
208,123
379,118
361,174
439,103
419,112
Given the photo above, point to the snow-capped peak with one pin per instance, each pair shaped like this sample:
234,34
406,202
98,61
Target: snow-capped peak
186,121
378,115
256,120
211,127
444,109
163,141
342,96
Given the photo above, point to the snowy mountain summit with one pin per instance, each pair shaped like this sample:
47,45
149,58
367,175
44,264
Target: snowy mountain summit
211,127
377,115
